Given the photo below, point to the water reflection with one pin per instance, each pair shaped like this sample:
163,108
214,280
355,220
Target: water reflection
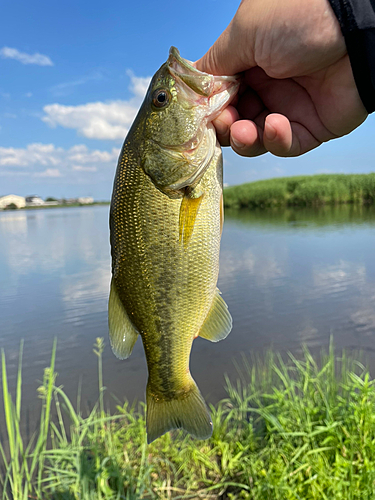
317,280
288,276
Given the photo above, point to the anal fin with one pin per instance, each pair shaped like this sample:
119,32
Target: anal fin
122,333
218,322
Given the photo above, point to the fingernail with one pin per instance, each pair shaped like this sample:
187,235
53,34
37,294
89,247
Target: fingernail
270,132
237,144
221,127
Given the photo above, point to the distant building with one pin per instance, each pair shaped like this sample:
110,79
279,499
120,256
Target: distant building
87,200
34,200
12,199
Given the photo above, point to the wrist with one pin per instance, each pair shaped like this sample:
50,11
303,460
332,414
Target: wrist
325,33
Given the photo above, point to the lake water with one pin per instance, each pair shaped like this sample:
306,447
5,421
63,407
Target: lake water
290,277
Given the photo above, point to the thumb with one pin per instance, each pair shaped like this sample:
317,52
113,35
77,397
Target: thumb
227,56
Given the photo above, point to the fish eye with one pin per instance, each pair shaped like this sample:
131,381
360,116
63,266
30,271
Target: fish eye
160,98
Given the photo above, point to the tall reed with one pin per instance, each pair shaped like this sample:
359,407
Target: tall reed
24,468
307,190
290,429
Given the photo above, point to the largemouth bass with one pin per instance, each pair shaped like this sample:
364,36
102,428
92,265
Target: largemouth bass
166,219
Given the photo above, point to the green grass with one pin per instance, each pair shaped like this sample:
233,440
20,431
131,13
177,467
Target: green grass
313,190
293,429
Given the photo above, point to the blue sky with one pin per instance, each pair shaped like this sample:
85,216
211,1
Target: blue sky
72,75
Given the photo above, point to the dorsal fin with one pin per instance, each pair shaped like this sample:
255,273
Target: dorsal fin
218,322
122,333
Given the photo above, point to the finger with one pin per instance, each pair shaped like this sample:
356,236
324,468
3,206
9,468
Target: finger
223,123
277,137
298,125
246,138
220,59
215,61
225,56
284,138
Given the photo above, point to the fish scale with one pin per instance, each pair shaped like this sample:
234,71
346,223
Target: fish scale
180,283
165,247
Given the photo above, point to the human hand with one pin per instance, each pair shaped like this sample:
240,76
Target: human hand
298,89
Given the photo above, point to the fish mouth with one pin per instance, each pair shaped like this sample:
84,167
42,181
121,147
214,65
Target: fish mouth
215,92
211,92
218,91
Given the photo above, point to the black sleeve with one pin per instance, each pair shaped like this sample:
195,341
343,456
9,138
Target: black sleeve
357,22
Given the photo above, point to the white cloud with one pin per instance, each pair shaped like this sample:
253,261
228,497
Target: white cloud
81,154
47,160
139,85
13,174
99,120
44,154
84,169
65,88
22,57
95,120
50,172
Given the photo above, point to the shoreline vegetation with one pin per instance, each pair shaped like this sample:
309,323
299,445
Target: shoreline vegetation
304,191
65,205
299,191
60,205
288,430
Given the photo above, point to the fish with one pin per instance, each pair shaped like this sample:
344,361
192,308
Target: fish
166,219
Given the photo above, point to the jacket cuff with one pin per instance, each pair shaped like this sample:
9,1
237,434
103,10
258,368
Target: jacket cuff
357,22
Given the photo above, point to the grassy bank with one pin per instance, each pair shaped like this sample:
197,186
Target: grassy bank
305,190
288,430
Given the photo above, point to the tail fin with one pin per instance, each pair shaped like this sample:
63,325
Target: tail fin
189,413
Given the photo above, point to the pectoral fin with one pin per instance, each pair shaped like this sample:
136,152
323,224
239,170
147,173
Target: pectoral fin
188,214
218,322
122,333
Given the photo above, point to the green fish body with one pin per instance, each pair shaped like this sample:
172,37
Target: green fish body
166,220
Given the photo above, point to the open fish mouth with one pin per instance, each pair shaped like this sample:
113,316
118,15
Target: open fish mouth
213,94
201,97
215,91
199,88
